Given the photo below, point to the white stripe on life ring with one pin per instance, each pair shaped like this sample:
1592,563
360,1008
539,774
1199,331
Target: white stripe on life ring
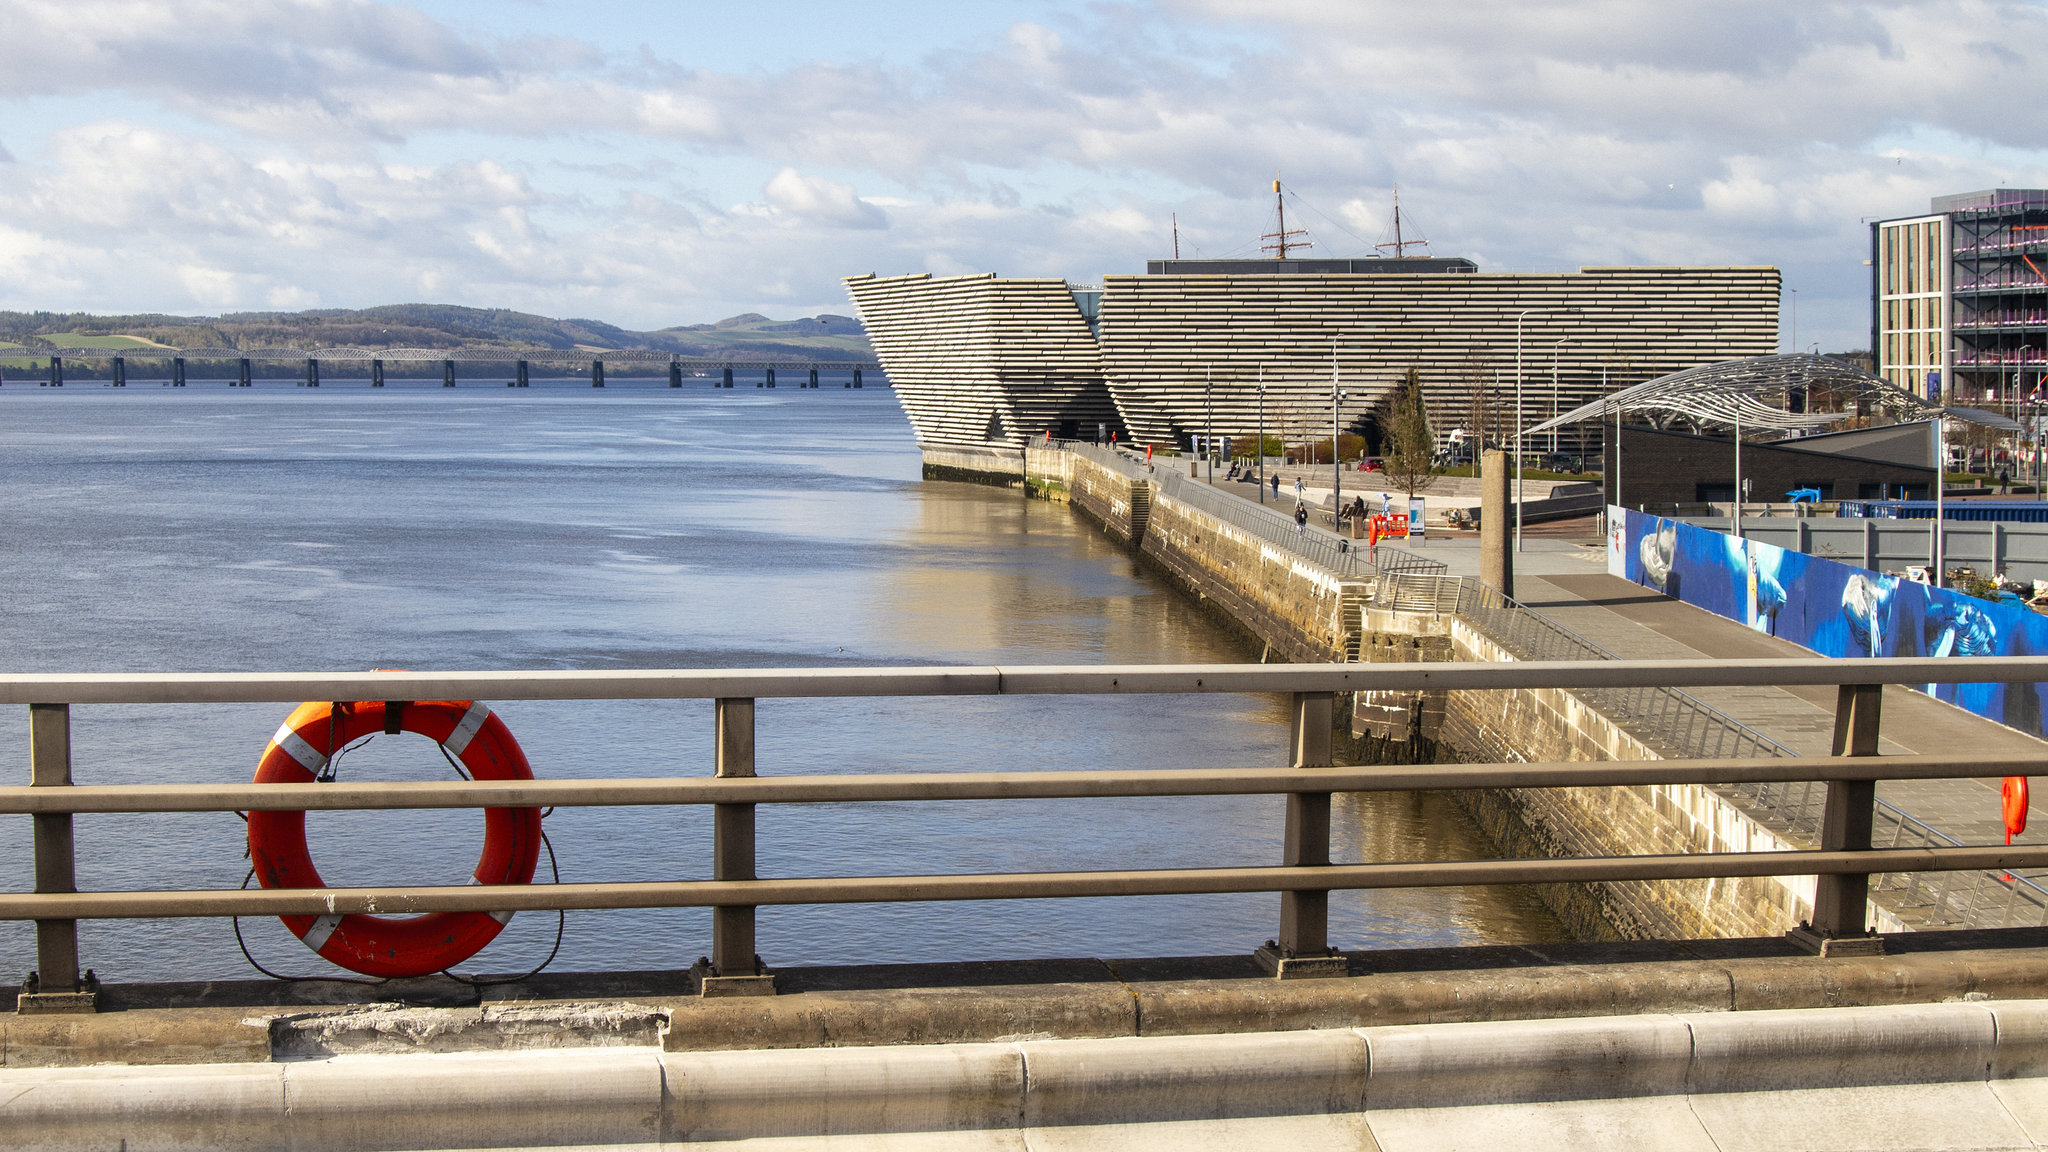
295,746
500,917
466,730
316,936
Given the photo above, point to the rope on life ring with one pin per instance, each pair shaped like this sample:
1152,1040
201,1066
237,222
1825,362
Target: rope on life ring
393,946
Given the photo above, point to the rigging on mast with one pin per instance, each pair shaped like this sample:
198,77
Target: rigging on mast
1279,236
1399,245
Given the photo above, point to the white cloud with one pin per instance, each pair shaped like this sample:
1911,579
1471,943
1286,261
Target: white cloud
823,200
359,152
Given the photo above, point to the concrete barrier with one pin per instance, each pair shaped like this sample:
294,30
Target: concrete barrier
1965,1075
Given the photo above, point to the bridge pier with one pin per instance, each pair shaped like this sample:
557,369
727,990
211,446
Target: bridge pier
177,371
675,374
597,373
725,381
376,373
312,372
519,374
241,373
814,378
770,381
56,371
856,377
447,373
120,372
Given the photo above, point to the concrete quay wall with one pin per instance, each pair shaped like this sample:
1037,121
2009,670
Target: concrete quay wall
1554,725
1961,1075
1299,612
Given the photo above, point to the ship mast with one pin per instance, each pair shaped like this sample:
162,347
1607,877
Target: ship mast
1399,245
1281,243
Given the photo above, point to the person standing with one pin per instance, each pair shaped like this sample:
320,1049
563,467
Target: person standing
1276,485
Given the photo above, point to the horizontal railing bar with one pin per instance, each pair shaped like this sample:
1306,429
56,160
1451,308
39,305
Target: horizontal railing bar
991,785
1020,886
679,684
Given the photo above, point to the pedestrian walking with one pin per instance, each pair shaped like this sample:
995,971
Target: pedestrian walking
1298,490
1276,485
1300,516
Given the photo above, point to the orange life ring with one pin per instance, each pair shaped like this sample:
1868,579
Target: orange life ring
2012,799
391,945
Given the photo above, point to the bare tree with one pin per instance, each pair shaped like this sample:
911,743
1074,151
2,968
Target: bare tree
1411,443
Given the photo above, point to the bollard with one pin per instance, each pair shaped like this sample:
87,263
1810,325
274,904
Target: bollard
55,985
1302,950
1840,925
733,968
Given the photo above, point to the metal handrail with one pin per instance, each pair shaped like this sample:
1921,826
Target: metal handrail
1304,876
994,680
1672,721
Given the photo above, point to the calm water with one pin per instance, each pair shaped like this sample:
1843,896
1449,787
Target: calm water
277,528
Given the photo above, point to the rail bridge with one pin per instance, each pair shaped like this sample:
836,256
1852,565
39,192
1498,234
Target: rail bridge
178,363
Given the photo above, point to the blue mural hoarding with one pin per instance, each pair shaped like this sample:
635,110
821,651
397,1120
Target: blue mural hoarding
1833,608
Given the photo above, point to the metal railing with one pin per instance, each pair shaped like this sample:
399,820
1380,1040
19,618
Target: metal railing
1328,550
1304,876
1324,549
1677,723
1674,723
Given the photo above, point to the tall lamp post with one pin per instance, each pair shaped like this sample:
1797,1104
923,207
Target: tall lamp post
1262,433
1555,346
1209,437
1336,434
1519,317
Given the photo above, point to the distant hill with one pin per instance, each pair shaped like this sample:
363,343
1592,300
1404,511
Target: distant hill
823,337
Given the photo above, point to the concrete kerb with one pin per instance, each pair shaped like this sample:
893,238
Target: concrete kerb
1920,1076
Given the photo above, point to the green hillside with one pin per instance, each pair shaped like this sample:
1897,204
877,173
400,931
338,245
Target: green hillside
824,337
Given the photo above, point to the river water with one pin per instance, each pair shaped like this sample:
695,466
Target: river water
281,528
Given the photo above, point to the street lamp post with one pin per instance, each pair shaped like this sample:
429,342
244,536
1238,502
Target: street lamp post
1555,346
1336,434
1209,437
1262,433
1519,316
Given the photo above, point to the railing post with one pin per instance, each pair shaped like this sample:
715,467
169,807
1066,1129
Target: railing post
55,985
733,968
1303,946
1841,902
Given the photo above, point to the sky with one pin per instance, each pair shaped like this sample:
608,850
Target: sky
653,164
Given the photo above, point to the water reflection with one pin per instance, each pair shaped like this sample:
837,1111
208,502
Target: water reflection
268,529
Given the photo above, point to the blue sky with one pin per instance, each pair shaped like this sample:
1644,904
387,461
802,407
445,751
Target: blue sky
667,163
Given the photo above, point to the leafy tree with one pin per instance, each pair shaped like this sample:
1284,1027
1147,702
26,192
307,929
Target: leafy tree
1411,461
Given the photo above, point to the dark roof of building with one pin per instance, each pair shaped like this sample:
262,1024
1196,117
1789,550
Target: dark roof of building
1367,266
